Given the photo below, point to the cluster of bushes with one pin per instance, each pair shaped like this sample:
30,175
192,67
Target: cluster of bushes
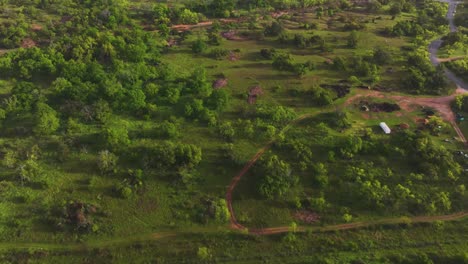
302,41
431,17
12,34
459,67
364,67
315,95
422,77
71,92
284,62
276,180
374,184
406,28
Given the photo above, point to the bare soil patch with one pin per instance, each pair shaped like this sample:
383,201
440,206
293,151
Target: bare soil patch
366,116
220,83
28,43
341,90
232,35
378,107
36,27
307,216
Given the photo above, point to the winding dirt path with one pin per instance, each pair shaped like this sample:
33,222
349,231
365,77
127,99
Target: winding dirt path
234,223
451,59
236,179
284,229
437,102
186,27
441,104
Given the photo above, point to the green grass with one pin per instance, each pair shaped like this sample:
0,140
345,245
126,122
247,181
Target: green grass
442,243
127,226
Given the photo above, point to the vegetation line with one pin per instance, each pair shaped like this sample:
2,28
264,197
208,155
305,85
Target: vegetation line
284,229
265,231
84,245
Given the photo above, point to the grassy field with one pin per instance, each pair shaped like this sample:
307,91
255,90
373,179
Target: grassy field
443,243
164,220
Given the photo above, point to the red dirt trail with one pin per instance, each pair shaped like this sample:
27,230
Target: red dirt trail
441,104
185,27
236,179
451,59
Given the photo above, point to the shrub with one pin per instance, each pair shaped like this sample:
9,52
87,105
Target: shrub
107,162
273,30
199,46
219,53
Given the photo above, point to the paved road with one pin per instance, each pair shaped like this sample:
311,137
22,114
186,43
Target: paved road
436,44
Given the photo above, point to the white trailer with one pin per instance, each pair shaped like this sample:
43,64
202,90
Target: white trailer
385,128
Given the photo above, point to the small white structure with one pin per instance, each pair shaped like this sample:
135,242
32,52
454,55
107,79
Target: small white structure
385,128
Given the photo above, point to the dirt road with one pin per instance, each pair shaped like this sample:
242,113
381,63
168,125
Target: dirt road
407,103
245,169
236,179
440,102
451,59
185,27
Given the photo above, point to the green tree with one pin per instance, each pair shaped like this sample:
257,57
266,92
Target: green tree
102,111
160,13
116,136
350,146
188,17
107,162
226,130
135,100
443,201
293,227
353,39
222,214
340,120
219,100
347,218
319,204
194,108
199,46
277,179
46,120
187,155
198,83
10,158
374,6
436,125
124,190
381,56
270,132
395,9
275,29
30,171
320,96
203,253
320,173
283,62
24,95
169,129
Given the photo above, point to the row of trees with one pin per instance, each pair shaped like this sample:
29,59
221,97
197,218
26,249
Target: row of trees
431,18
433,186
422,77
